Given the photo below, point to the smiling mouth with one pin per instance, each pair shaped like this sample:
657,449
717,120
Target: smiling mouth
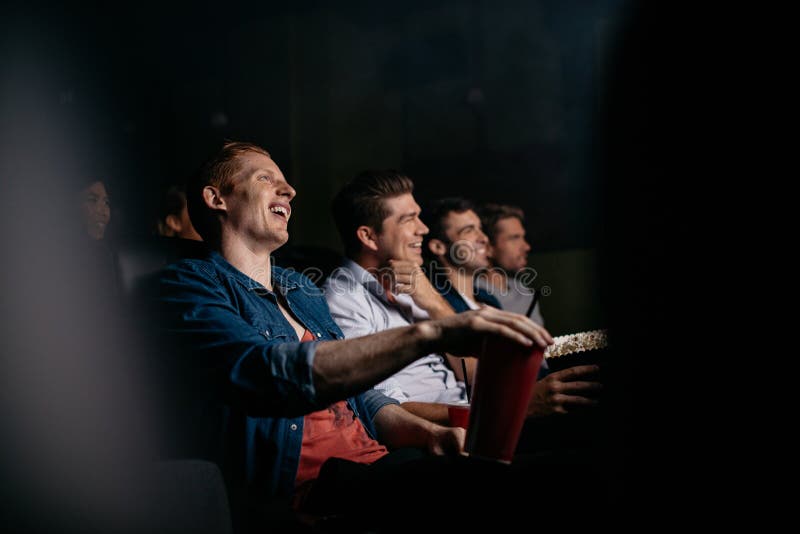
281,211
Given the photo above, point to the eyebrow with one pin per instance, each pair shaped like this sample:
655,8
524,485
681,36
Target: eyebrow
255,170
258,170
464,228
409,214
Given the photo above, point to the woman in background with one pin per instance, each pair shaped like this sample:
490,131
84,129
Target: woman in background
95,209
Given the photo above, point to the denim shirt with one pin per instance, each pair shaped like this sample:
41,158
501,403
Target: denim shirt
251,379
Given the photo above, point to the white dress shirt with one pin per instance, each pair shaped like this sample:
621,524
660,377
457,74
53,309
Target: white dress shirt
359,306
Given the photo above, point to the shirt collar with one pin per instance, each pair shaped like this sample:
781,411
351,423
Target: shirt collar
366,279
281,278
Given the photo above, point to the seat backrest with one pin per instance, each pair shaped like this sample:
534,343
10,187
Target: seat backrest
188,496
136,261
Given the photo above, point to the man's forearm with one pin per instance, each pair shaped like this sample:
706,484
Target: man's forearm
398,427
437,307
348,367
432,411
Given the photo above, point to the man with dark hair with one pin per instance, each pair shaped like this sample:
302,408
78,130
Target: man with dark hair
280,401
381,285
459,248
360,203
173,217
508,253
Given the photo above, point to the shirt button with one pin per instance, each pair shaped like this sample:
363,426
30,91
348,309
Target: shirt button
319,334
293,426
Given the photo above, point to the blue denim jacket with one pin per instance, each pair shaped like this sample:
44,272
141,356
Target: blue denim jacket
251,378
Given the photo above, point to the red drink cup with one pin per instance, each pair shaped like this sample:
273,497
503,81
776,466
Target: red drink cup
459,414
504,383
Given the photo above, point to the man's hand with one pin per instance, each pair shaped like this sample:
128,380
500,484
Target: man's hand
565,390
400,428
408,278
463,333
445,440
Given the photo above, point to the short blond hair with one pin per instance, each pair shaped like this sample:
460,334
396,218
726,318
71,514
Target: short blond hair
218,171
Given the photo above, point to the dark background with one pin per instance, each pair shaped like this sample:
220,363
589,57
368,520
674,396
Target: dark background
498,101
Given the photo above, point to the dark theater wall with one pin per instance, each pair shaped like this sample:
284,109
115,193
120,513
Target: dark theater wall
492,100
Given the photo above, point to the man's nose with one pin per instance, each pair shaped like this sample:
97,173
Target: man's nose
422,229
287,190
526,246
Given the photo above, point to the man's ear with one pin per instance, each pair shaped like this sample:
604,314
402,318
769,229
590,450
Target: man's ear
174,223
213,198
437,247
368,237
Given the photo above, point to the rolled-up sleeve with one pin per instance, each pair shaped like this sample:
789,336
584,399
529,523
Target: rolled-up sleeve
369,404
374,400
260,376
